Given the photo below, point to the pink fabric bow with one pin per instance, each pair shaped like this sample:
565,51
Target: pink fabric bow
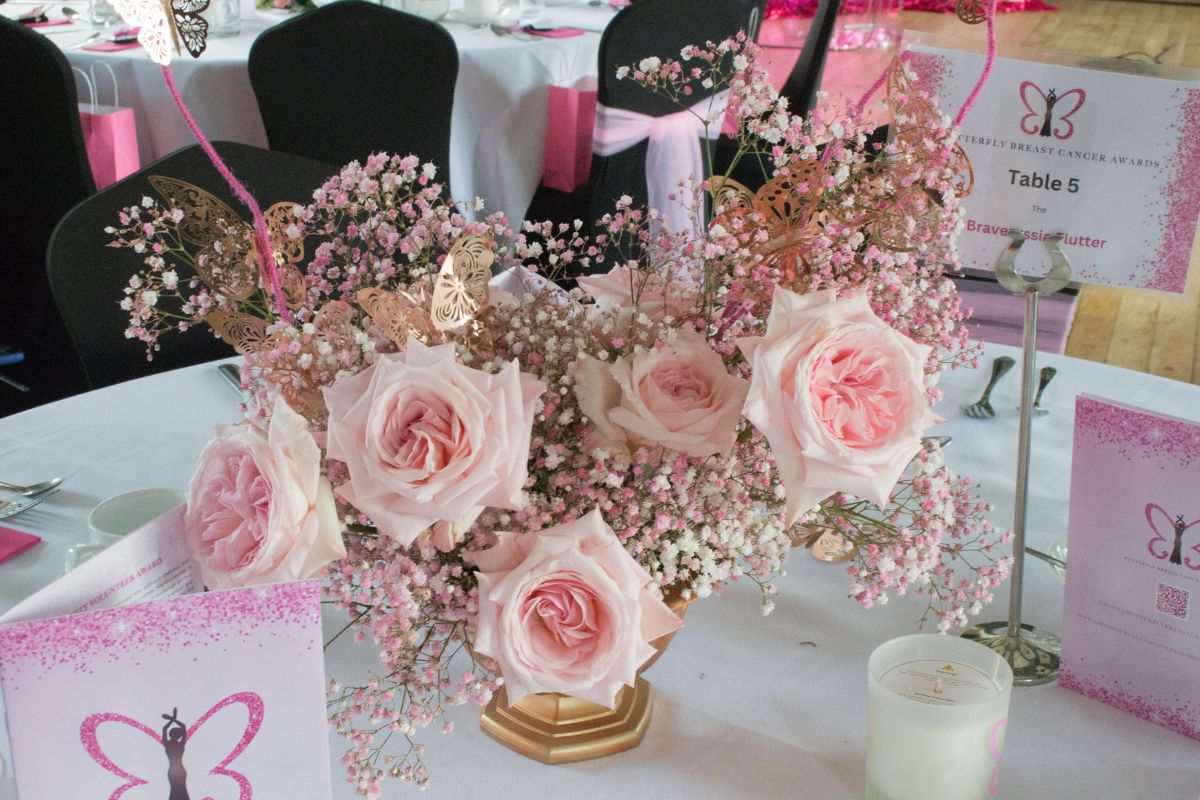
674,154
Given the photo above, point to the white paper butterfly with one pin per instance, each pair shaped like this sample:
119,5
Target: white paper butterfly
165,23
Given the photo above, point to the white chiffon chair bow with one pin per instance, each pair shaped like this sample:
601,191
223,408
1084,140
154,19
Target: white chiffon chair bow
674,153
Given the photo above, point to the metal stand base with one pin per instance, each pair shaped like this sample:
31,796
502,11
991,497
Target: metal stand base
1033,655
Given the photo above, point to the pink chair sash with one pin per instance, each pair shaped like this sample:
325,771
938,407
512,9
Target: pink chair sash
674,154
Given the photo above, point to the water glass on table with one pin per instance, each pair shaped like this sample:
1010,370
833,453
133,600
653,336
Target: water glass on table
533,12
101,12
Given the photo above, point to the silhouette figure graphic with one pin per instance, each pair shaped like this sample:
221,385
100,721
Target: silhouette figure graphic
1176,551
174,739
1048,122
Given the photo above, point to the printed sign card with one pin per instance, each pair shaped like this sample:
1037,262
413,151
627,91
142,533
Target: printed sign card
1110,159
150,693
1130,637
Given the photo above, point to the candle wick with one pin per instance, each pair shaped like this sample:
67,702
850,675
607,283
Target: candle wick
937,685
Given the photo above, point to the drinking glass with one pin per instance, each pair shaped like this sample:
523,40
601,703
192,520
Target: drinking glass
225,18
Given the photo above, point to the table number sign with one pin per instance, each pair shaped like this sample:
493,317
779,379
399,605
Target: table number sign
1130,635
1111,159
218,695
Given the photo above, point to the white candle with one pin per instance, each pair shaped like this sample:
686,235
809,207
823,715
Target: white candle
937,710
481,8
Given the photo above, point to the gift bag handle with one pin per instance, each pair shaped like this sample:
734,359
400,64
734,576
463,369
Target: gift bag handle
91,87
112,75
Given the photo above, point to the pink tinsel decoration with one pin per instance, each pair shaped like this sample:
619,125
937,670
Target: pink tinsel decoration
806,8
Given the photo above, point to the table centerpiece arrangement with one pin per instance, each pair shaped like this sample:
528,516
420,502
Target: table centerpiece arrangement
513,488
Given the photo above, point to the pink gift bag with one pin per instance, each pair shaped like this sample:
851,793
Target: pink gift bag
570,117
109,133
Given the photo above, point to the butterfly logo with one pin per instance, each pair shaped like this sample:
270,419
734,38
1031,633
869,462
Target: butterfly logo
176,738
1042,108
1163,549
167,25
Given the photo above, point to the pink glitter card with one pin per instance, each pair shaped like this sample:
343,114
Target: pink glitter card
1129,637
217,695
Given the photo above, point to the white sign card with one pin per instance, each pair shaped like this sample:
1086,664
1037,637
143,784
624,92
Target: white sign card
1110,159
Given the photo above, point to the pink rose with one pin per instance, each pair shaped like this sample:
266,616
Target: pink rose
839,395
652,295
428,440
679,395
259,510
567,610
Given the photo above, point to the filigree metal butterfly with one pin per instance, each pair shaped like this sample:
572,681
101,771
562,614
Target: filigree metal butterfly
461,288
226,260
167,25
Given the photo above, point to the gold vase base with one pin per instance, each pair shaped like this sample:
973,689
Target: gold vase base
1033,654
558,729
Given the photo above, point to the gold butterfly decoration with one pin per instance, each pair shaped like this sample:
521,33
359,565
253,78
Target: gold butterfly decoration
786,209
226,261
461,288
166,24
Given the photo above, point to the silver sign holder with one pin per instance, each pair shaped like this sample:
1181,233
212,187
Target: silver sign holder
1032,653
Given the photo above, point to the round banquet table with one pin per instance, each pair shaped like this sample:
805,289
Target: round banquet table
745,706
498,127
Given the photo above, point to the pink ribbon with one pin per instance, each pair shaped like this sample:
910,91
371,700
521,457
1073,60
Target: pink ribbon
994,748
674,153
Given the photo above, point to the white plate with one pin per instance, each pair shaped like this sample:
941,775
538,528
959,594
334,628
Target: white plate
460,15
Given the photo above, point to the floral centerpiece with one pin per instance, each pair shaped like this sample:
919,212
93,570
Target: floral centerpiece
477,459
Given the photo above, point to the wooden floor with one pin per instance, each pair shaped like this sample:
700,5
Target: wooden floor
1146,331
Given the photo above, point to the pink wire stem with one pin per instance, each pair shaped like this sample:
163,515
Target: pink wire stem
987,64
262,239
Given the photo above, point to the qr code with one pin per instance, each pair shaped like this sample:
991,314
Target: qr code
1172,600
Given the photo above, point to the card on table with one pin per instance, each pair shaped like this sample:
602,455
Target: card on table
1108,158
221,695
1130,637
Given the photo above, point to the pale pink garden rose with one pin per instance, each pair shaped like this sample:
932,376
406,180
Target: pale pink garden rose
679,395
259,510
655,296
567,609
839,395
427,440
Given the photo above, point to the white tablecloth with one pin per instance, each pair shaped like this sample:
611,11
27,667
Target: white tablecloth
498,128
746,706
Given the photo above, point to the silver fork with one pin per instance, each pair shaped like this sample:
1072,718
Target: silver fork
1047,375
982,408
10,508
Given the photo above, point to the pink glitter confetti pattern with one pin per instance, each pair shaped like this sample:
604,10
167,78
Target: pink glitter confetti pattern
1174,443
133,634
1181,174
253,704
1176,715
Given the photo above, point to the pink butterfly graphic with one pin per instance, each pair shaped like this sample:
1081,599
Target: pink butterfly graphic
1164,549
178,741
1044,107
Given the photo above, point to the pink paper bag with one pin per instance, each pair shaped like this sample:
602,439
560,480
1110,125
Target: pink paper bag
109,135
570,117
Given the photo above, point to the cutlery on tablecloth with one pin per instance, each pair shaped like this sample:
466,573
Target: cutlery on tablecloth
10,508
982,408
232,374
33,488
1047,375
95,37
940,441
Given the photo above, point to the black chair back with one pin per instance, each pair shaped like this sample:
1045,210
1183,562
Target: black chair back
43,171
88,277
352,78
804,80
651,28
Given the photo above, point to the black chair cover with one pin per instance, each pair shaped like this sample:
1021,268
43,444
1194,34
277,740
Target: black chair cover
88,277
43,171
804,80
352,78
652,28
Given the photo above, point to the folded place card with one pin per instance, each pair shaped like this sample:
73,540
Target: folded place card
1129,636
214,695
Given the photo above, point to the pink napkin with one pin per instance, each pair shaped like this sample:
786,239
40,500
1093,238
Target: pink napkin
552,33
111,47
13,542
48,23
619,3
